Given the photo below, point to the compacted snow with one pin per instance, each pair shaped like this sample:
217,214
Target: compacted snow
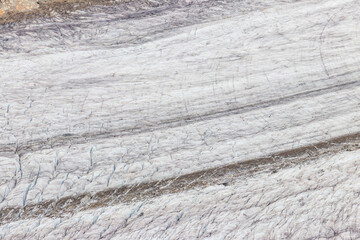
124,96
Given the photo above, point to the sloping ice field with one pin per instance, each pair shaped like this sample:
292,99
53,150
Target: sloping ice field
182,119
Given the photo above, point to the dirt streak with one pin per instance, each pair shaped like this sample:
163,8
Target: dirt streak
64,7
224,175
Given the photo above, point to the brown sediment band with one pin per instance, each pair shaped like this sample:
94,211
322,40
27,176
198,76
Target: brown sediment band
223,175
43,9
50,8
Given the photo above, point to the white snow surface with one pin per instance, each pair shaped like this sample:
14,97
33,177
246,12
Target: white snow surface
101,99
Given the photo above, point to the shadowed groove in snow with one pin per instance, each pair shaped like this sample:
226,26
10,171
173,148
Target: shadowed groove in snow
56,141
